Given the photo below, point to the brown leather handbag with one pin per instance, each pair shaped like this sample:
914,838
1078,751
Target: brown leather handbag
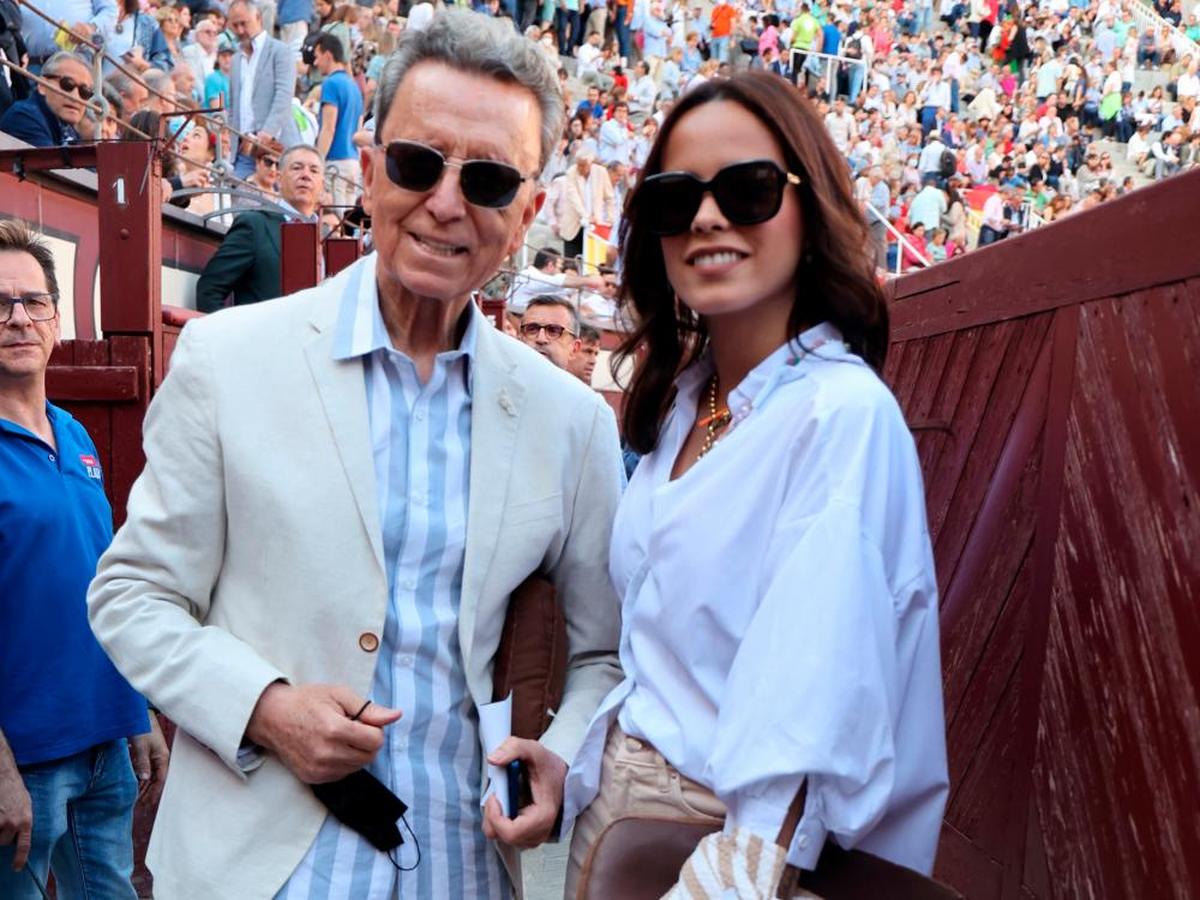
639,858
531,660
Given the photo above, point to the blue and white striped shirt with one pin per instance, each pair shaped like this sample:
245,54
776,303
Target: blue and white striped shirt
421,439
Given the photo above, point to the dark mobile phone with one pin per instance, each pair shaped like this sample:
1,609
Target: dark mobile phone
518,787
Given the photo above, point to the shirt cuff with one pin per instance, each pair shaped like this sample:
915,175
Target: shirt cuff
764,816
250,756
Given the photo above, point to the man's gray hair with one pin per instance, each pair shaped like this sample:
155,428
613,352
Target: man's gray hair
158,81
481,45
55,62
299,148
249,4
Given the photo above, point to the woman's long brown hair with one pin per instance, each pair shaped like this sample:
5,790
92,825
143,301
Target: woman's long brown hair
835,281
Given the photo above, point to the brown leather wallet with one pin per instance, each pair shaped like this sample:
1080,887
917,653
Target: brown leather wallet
531,660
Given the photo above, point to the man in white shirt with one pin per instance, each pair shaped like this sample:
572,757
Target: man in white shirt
616,137
930,162
201,53
935,100
588,53
1189,83
997,215
643,92
260,86
840,123
546,277
1166,154
1138,149
928,206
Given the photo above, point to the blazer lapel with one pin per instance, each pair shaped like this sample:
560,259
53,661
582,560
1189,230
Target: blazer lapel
343,394
497,398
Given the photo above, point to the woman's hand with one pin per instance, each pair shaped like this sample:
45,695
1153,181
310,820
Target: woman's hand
535,822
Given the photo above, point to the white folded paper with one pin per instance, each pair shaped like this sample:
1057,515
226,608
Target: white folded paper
495,727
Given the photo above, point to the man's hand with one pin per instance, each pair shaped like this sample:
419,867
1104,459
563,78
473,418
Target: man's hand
16,810
534,822
309,728
150,757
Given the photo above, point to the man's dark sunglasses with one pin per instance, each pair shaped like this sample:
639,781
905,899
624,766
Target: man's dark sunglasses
69,84
747,193
485,182
554,332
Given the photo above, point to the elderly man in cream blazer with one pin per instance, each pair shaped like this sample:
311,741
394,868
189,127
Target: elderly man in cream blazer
342,488
587,199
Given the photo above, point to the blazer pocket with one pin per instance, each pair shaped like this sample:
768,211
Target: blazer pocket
533,510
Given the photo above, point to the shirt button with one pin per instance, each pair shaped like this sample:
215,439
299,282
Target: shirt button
368,642
406,661
402,744
51,457
410,585
419,416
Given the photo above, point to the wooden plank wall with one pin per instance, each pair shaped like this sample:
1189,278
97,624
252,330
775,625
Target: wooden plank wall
106,386
1051,384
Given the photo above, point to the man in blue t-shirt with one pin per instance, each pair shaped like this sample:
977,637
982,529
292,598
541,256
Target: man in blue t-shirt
68,720
341,108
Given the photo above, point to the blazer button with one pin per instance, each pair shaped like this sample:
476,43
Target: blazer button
368,642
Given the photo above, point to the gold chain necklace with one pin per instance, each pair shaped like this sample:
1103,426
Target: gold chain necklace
716,421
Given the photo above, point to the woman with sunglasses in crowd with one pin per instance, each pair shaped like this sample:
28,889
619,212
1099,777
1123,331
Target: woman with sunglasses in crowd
772,553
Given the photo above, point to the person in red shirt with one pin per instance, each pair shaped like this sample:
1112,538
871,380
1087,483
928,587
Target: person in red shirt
723,16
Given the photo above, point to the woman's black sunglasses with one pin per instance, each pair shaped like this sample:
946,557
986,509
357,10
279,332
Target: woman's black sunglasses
747,193
485,182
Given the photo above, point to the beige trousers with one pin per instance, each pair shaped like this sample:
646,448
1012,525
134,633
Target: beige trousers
343,177
635,780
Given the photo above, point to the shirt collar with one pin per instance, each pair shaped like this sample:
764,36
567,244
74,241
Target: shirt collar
292,213
256,44
788,362
360,329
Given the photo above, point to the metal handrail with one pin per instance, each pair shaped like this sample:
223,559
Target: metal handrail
1149,17
101,53
900,239
832,59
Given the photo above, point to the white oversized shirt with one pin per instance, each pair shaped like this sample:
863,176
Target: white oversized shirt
780,611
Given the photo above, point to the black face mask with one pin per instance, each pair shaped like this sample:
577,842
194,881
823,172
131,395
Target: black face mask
362,802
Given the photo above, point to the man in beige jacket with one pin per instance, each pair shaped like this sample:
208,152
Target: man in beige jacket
587,200
342,489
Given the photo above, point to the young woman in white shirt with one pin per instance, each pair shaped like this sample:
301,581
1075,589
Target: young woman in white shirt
772,553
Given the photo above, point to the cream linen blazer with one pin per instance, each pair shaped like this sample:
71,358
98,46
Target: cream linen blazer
571,202
253,552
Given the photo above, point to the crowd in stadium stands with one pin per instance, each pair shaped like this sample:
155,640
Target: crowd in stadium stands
962,121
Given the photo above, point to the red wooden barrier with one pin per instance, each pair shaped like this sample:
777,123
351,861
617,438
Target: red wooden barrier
1051,382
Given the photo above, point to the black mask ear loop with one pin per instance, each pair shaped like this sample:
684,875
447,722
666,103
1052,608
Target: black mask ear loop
404,818
396,865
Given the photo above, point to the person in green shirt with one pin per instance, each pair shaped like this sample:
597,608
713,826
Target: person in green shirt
805,29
